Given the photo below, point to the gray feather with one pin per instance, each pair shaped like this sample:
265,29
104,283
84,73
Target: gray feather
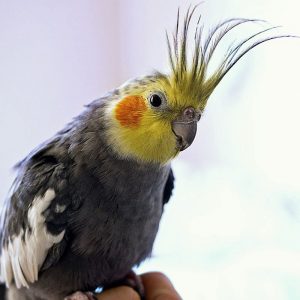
109,208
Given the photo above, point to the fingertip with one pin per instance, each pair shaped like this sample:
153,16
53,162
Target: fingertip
117,293
159,287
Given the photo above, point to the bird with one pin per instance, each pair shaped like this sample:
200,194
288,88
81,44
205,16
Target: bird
86,204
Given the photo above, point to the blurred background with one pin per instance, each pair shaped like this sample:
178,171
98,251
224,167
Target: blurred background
232,228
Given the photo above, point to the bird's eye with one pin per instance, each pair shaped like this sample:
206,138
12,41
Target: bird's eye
155,100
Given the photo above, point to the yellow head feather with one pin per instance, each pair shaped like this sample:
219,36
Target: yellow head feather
193,79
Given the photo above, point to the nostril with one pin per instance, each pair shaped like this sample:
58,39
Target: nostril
189,113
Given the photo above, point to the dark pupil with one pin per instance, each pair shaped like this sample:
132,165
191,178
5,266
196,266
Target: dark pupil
155,100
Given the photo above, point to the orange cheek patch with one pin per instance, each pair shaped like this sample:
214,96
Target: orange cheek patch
129,111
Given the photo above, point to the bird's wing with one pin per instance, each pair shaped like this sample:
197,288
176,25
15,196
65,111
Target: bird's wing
34,219
168,187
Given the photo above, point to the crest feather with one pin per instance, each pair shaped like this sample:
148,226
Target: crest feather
193,77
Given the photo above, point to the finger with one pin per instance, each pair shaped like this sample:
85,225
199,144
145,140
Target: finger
159,287
119,293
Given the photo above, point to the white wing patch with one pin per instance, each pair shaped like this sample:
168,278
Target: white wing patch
25,253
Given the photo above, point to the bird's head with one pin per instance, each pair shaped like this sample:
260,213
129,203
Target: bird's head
153,118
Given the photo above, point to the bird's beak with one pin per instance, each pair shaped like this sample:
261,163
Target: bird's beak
185,128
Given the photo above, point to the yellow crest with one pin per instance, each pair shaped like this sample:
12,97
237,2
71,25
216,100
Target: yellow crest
191,78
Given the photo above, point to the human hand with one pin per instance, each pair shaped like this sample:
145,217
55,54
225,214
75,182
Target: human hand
157,287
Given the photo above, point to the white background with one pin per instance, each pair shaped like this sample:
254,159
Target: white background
232,228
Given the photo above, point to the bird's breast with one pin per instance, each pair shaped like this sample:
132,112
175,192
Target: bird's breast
118,221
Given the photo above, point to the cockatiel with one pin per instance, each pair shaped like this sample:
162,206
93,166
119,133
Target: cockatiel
85,206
